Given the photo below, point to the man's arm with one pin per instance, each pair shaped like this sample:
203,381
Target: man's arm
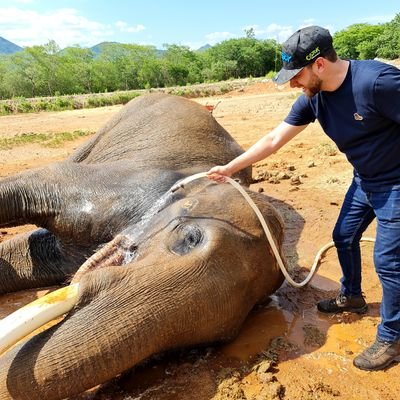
267,145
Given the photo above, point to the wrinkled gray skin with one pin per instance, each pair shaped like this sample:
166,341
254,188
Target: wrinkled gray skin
197,268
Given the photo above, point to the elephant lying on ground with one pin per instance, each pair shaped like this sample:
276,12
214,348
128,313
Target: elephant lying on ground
188,273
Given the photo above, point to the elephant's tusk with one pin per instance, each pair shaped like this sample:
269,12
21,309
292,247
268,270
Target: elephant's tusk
34,315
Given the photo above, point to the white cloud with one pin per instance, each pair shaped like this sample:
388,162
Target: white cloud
24,1
65,26
282,32
307,22
312,21
377,19
123,27
256,29
273,31
330,28
278,32
193,45
216,37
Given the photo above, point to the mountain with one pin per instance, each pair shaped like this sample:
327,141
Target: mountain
7,47
98,48
204,48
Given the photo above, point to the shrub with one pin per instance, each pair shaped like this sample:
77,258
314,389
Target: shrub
62,103
270,74
44,139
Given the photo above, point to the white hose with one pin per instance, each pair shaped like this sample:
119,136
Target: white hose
267,231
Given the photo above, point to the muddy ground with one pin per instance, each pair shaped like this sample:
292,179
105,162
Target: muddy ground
286,349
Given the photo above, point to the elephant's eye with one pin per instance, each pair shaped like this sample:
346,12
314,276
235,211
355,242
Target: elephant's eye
186,238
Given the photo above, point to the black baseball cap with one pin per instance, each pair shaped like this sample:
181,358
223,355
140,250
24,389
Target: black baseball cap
301,49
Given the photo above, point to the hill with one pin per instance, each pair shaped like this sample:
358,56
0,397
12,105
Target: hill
98,48
7,47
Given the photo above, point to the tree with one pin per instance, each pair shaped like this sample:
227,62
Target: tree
118,66
388,43
181,65
76,70
250,34
46,63
22,77
151,74
250,56
365,41
357,41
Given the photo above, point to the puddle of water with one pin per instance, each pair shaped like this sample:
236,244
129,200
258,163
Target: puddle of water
325,283
260,328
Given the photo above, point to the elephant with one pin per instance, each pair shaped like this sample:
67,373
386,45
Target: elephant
157,269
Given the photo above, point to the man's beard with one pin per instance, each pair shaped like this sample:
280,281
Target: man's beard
314,86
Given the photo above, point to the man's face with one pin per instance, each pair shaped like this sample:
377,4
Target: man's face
307,80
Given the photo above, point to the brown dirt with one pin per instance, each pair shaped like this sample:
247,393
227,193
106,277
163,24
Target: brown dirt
285,350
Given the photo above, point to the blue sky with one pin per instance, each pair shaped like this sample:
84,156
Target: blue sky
183,22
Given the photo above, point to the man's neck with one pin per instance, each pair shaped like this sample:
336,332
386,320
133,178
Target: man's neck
336,75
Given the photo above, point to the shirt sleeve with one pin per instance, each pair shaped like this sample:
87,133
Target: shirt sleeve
301,112
387,94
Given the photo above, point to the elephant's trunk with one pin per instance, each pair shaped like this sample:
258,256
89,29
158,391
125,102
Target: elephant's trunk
157,310
26,198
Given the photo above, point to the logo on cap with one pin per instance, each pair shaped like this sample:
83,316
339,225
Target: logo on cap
313,53
286,57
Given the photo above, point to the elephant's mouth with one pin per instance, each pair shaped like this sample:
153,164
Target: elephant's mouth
120,251
123,248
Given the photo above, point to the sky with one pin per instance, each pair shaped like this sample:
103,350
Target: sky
182,22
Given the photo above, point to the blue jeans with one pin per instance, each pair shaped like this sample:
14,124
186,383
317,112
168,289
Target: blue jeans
358,211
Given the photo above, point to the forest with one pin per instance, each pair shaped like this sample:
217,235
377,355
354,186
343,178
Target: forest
47,70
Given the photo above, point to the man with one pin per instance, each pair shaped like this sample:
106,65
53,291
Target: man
357,104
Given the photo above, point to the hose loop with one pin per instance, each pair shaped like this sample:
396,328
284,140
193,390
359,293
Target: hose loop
267,231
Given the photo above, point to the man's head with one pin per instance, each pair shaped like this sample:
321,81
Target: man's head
301,50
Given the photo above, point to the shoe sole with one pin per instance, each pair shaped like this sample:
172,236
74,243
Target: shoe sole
361,310
380,367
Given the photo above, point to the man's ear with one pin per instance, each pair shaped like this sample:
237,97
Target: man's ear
320,65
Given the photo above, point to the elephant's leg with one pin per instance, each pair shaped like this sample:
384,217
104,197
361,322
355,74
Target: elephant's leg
36,259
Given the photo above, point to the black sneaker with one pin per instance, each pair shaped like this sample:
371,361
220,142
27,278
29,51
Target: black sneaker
380,355
343,303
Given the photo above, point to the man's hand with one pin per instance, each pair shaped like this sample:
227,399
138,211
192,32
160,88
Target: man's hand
219,173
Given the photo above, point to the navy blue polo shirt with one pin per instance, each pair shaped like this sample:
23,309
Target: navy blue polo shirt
363,118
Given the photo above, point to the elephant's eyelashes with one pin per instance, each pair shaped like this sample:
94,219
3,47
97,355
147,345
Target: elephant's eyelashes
185,238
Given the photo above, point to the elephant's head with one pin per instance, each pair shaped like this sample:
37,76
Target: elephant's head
187,274
155,275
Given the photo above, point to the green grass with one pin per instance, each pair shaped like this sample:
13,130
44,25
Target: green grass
61,103
53,140
73,102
